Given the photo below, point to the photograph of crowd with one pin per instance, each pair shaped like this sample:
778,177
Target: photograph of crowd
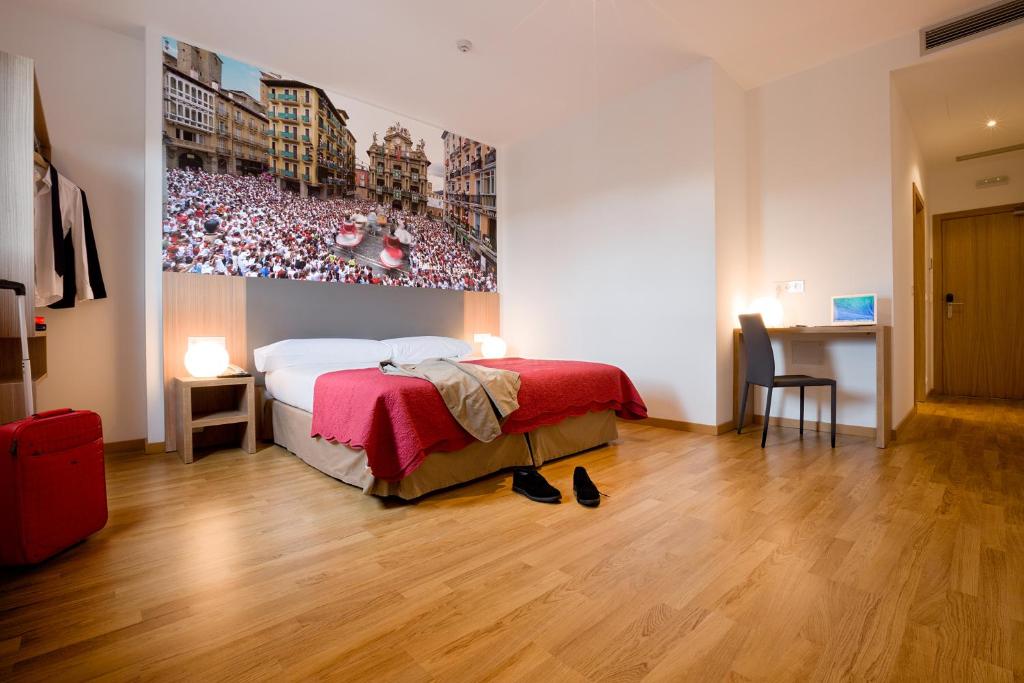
266,176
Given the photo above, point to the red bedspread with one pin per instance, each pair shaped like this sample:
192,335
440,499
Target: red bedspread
399,421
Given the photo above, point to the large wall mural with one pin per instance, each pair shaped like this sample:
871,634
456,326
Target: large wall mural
268,176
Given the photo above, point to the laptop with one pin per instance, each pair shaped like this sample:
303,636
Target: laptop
855,309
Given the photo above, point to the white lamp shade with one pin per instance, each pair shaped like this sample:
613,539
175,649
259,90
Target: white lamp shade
206,358
493,347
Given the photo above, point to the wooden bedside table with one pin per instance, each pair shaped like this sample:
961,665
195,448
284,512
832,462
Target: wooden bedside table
211,402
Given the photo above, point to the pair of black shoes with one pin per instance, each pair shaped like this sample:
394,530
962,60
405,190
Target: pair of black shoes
534,486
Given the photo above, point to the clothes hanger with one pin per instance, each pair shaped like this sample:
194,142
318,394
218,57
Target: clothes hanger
40,161
40,166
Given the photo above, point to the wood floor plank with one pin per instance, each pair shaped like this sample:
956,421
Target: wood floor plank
711,559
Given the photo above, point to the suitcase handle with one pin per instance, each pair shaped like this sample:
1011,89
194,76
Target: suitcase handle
52,413
17,287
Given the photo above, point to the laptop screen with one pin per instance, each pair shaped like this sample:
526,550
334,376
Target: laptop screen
854,309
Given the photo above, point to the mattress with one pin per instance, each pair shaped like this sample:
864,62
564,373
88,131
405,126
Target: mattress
294,386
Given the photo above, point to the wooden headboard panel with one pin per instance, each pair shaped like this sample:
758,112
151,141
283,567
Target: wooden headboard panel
253,312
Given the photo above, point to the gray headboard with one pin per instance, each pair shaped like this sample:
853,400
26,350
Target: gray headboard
291,309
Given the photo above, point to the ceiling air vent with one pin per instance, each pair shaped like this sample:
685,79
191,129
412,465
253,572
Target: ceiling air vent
971,25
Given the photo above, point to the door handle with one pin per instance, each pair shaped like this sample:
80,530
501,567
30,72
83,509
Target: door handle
950,303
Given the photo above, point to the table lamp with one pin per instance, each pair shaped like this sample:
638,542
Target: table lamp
206,356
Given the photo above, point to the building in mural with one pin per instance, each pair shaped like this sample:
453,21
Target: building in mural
206,126
310,150
189,107
435,204
203,65
362,181
348,172
470,207
398,171
241,134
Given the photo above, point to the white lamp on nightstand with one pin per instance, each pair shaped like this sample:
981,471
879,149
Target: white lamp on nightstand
493,347
206,356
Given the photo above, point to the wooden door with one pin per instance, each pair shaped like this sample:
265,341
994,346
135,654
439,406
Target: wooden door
981,304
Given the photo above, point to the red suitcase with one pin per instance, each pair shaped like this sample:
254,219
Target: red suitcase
52,483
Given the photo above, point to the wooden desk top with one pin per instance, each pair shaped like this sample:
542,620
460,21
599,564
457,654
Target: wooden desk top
824,329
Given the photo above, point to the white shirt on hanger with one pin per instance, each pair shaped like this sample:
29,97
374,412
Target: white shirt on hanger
50,285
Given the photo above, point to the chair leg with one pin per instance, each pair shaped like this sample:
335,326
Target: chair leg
833,416
801,411
743,408
767,412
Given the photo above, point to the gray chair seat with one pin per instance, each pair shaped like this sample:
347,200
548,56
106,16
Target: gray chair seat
801,381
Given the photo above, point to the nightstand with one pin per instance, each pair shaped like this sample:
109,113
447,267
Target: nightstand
214,402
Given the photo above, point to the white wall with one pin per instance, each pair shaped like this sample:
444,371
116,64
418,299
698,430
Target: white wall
731,257
907,171
821,208
811,181
953,183
152,258
91,81
608,249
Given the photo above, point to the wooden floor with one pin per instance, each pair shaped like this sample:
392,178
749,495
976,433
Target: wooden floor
711,560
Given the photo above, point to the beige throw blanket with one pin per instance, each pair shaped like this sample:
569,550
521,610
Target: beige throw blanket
478,397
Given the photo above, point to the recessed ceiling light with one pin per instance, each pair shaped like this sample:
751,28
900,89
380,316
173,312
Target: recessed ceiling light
991,123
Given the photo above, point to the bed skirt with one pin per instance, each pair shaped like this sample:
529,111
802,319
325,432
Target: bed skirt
292,427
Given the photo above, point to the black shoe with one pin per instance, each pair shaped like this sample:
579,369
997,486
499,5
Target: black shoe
534,486
586,493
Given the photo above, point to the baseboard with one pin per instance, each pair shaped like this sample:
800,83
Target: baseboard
725,427
154,447
902,426
815,426
695,427
129,446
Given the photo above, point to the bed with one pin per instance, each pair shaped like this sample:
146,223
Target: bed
393,436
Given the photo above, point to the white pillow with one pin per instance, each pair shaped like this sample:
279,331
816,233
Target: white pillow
419,349
289,353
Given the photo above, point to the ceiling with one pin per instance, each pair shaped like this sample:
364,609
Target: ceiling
535,62
950,99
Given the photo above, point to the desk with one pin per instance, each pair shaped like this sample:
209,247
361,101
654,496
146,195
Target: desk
880,334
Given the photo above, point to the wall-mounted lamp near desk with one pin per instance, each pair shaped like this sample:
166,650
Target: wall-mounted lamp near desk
880,334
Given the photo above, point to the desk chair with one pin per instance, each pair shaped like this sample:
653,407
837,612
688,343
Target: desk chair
757,348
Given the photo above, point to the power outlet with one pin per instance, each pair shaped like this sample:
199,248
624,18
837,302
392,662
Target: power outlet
790,287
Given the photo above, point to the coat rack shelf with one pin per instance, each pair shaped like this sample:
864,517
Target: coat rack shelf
26,141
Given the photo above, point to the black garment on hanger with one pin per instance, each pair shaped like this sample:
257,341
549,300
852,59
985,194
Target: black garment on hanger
99,290
59,259
64,251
